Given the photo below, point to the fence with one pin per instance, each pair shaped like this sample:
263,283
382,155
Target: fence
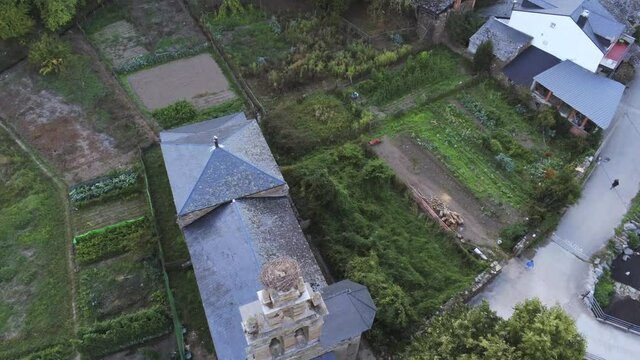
606,318
177,326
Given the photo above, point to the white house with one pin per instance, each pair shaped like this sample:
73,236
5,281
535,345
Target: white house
581,31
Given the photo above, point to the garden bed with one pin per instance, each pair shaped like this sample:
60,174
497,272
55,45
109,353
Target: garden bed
35,301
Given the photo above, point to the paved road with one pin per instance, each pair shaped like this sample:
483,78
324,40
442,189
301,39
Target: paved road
559,276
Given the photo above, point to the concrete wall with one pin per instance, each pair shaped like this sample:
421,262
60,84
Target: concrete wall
560,36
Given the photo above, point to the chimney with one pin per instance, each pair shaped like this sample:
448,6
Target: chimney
215,142
582,20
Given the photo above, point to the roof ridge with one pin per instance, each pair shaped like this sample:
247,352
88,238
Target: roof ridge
244,230
354,305
186,200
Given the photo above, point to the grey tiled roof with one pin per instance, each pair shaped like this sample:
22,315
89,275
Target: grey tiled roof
202,176
351,312
600,24
597,97
228,247
507,41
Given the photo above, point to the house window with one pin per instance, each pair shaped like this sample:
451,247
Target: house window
302,336
552,25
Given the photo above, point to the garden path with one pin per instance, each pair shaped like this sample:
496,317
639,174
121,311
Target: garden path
559,276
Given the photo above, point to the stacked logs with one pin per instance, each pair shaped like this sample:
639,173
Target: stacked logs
449,217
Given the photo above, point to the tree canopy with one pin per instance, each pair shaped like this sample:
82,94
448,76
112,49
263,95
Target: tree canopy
534,332
17,16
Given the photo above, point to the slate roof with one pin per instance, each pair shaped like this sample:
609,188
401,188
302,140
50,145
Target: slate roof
597,97
434,7
351,312
203,176
228,248
601,26
507,41
531,62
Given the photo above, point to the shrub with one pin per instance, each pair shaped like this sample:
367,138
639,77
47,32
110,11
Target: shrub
625,73
49,54
56,352
511,235
494,146
553,194
461,25
634,240
605,289
506,162
118,184
483,57
127,330
14,19
112,240
178,113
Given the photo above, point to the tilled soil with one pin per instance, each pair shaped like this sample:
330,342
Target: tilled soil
197,79
111,212
416,167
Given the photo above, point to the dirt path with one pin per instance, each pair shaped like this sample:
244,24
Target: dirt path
62,192
418,168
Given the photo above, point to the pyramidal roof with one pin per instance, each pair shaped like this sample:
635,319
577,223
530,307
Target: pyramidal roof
203,175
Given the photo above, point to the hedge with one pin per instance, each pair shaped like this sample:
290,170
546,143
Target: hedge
148,60
112,240
122,332
57,352
120,183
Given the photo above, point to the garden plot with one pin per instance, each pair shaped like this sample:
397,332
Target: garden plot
419,169
198,80
35,301
119,43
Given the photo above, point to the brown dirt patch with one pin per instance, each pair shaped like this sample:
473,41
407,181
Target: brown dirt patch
198,80
161,349
119,42
418,168
108,213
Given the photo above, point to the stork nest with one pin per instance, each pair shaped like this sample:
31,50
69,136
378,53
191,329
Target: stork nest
281,274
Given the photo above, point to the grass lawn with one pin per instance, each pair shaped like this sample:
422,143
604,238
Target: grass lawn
183,282
369,231
35,303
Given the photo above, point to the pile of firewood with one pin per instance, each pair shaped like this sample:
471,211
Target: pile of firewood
449,217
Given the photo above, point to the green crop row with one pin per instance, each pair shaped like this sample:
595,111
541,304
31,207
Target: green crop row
120,183
147,60
111,240
109,336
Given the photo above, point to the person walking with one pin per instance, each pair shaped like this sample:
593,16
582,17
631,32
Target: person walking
614,183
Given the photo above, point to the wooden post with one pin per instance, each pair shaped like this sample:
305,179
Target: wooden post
584,122
548,96
571,114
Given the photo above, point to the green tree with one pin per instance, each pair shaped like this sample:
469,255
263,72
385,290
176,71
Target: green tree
546,119
534,332
49,54
378,8
483,57
56,13
461,25
14,19
541,333
333,7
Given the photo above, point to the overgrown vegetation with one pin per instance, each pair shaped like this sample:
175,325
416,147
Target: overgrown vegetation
625,73
99,244
117,184
35,304
605,289
483,57
433,72
49,54
370,232
534,332
292,53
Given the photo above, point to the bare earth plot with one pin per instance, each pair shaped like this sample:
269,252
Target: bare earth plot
103,214
57,129
417,168
198,80
119,42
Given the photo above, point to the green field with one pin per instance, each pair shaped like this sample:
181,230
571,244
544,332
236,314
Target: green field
35,295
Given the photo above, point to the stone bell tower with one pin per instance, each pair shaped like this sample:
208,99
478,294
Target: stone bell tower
286,321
